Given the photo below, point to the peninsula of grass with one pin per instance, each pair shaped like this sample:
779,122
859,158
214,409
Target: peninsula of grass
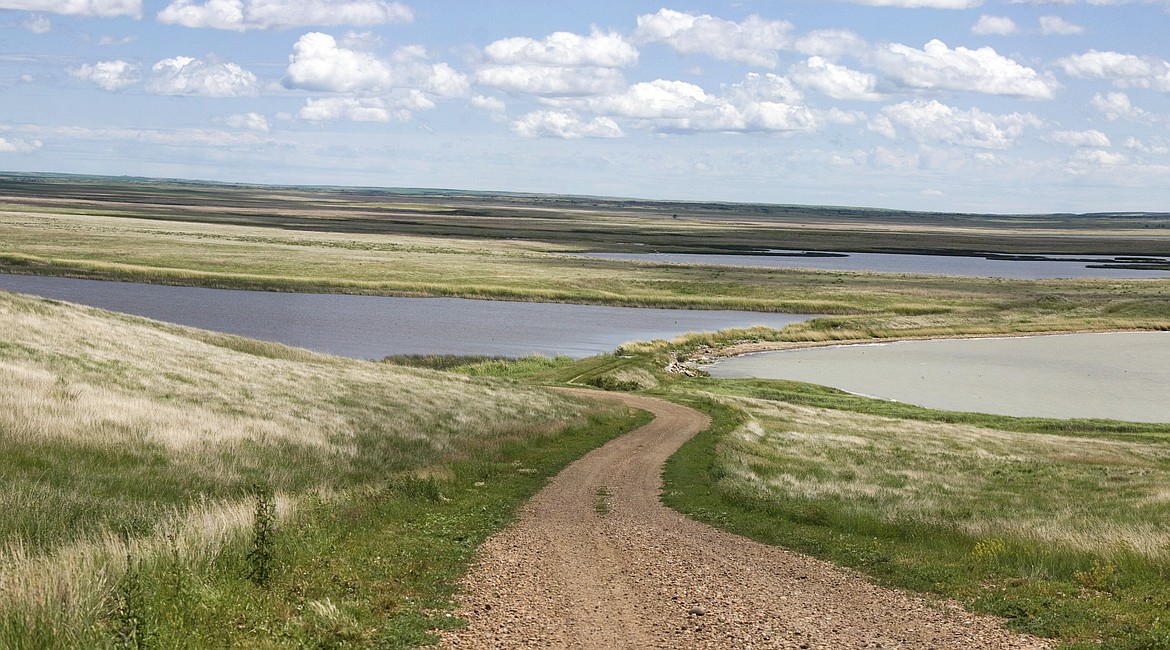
174,488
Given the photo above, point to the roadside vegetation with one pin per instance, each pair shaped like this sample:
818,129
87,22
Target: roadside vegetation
1059,526
166,487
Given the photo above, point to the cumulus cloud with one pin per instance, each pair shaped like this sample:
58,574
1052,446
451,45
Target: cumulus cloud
566,125
830,43
1059,26
836,81
766,87
1088,161
19,146
934,121
607,50
244,15
320,64
100,8
939,67
248,121
371,109
1116,106
1157,148
183,75
492,105
754,41
551,80
679,106
1090,138
109,75
994,25
562,64
1126,70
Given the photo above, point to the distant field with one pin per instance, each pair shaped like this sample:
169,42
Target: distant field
506,248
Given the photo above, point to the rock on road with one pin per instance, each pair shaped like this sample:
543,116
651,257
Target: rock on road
634,574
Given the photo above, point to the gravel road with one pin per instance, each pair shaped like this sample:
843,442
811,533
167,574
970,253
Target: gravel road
582,570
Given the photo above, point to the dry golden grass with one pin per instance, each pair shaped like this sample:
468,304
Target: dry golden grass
1102,496
119,434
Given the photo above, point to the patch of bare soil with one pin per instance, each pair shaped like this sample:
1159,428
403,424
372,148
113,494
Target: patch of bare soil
596,561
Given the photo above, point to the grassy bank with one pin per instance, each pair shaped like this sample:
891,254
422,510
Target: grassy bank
141,464
1057,526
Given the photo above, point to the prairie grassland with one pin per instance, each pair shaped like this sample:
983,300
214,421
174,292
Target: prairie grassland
124,436
1103,497
870,305
1057,525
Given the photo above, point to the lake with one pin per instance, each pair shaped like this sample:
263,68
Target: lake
990,266
372,327
1123,376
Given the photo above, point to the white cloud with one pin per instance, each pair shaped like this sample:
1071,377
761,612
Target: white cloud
1088,161
1116,106
100,8
38,24
922,4
400,106
754,41
566,125
938,67
109,75
1126,70
997,25
248,121
551,80
1059,26
318,63
830,43
183,75
1160,148
492,105
243,15
766,87
1090,138
19,146
836,81
679,106
934,121
371,109
607,50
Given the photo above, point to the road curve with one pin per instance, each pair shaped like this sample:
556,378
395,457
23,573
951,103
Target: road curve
635,574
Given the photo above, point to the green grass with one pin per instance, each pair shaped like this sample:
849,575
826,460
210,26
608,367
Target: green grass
1064,536
125,466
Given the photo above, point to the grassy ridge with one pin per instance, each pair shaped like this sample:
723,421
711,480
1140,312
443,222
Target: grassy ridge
157,450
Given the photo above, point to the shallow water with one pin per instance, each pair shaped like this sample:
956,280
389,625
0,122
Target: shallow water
1053,267
372,327
1123,376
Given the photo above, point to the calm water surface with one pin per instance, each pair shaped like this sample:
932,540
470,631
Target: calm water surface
371,327
1052,267
1123,376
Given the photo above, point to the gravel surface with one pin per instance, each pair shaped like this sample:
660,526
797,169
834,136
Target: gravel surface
583,570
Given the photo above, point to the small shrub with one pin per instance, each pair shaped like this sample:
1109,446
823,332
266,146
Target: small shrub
262,555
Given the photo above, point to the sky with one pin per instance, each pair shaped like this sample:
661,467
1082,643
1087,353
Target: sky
1007,106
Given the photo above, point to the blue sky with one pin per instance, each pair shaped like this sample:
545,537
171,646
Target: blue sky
952,105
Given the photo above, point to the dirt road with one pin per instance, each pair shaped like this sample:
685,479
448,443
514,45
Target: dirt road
597,562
